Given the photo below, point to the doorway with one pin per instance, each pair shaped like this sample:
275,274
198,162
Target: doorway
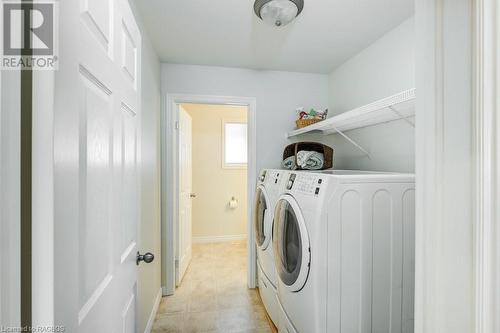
213,158
222,136
209,263
218,177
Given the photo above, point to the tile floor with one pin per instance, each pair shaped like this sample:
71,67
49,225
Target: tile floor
213,296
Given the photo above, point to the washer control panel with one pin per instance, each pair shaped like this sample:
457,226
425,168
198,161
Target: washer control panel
305,183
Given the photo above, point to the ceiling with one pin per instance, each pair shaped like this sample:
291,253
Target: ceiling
228,33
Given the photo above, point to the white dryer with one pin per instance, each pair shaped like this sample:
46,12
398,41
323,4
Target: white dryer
344,252
269,188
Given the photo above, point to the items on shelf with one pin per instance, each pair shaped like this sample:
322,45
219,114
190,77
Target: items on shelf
400,106
310,117
289,163
307,156
395,107
310,160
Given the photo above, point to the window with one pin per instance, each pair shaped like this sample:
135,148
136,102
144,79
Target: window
234,146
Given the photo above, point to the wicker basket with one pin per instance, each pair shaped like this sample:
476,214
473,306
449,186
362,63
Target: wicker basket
301,123
294,148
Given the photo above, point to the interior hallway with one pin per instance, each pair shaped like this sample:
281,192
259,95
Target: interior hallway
213,296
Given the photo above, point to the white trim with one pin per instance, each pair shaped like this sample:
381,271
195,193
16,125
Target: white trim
217,239
154,311
170,178
43,199
2,203
9,196
444,267
487,145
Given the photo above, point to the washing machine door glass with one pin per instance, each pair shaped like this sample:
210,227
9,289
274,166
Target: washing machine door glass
291,244
261,208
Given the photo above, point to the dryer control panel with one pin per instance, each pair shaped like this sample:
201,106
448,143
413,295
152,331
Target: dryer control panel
305,183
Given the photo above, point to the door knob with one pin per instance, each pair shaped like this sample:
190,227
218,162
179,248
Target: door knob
192,195
146,257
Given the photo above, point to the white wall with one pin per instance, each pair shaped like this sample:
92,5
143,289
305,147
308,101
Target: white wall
149,278
384,68
278,94
150,230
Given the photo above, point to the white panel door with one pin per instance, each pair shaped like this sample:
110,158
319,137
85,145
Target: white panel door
97,160
184,230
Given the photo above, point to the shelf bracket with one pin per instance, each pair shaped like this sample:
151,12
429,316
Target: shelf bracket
401,116
353,142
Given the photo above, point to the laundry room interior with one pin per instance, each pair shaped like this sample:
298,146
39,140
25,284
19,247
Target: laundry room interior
289,166
319,124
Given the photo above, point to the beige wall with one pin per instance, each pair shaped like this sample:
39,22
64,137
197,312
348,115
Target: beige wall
214,185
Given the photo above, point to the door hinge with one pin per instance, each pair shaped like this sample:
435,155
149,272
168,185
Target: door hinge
176,263
176,125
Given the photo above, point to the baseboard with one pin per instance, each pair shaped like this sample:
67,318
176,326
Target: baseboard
215,239
152,316
165,292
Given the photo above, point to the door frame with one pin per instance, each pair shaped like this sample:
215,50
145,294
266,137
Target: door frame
41,292
487,165
444,241
170,178
10,176
457,164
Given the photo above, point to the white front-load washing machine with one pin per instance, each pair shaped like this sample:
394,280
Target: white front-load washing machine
269,188
344,252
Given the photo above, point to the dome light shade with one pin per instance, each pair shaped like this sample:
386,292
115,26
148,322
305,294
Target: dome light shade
278,12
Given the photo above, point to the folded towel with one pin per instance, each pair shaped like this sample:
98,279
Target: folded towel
310,160
289,163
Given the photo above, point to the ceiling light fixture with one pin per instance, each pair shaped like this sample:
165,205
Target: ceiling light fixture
278,12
